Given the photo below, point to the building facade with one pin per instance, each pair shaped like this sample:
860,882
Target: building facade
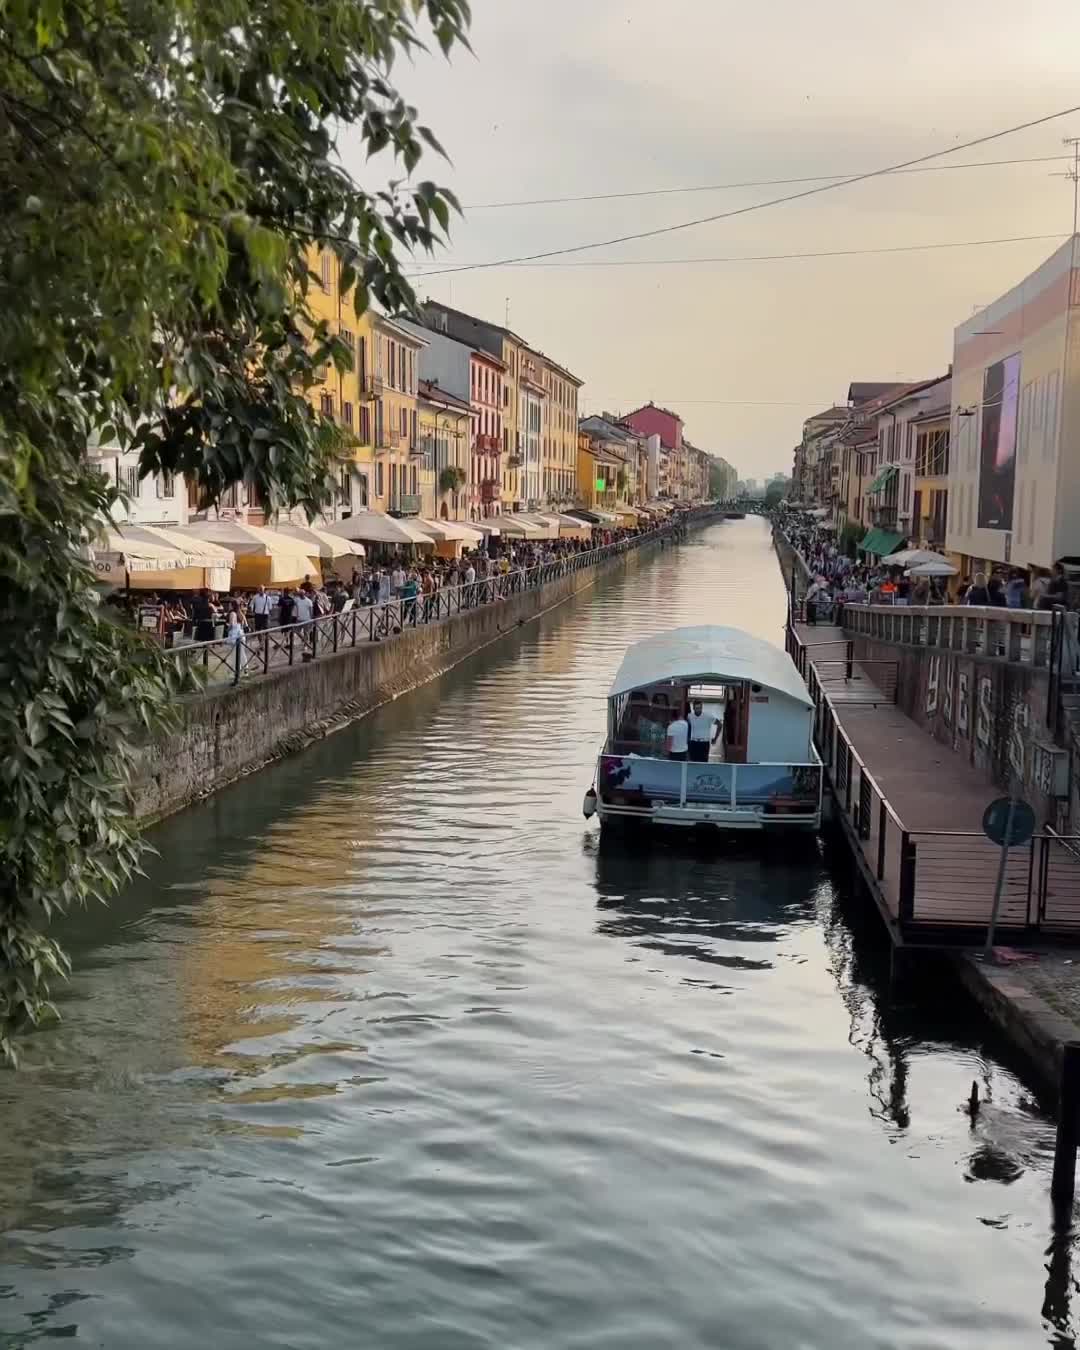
446,447
486,377
1014,475
538,464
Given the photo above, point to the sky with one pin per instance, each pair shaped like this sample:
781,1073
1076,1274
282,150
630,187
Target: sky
578,97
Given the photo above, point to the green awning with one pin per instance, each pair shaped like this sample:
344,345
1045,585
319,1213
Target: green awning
880,543
883,479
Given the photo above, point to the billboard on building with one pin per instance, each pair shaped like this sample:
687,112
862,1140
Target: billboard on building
997,446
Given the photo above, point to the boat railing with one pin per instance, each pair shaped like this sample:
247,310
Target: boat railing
781,788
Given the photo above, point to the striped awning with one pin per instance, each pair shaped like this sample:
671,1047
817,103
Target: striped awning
884,478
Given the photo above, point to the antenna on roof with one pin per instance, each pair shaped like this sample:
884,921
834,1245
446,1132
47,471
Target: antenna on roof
506,321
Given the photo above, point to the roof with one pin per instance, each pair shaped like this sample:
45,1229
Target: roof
656,408
433,391
863,391
833,414
494,328
709,652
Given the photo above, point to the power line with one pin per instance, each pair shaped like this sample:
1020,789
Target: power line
783,257
758,206
749,183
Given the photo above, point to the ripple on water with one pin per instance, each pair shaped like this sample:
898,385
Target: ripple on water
385,1049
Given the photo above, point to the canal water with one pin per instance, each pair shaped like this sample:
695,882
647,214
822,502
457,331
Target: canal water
385,1052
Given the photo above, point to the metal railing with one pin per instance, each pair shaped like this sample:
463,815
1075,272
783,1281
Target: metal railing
258,653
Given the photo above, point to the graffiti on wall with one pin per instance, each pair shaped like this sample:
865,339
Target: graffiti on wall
963,703
947,703
984,719
932,685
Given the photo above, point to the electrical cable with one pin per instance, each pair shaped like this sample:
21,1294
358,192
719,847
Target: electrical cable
758,206
784,257
749,183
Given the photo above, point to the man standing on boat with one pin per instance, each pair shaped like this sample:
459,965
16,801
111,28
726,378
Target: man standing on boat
704,729
678,737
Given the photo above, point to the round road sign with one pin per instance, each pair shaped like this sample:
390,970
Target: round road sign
996,821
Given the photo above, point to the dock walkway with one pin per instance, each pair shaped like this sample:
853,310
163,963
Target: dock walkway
913,812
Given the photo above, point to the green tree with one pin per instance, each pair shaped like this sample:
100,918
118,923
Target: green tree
165,171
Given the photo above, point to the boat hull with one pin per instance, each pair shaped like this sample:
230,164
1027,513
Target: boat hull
691,817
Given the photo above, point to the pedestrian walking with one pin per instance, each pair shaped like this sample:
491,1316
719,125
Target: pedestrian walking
262,606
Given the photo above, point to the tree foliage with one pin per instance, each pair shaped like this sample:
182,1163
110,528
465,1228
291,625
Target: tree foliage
166,171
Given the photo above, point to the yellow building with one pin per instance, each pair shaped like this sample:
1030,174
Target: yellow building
603,475
376,401
559,465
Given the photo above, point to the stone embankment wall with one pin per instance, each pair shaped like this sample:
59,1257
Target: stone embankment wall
226,733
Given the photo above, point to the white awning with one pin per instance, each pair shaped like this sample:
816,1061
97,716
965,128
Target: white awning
452,531
248,540
376,528
147,548
510,525
709,653
319,542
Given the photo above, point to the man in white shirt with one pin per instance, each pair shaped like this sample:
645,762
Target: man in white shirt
470,584
397,579
704,729
678,737
303,607
261,607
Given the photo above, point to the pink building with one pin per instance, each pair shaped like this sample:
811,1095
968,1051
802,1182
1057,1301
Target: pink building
486,376
653,421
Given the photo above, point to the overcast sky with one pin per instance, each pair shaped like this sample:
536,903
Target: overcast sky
571,97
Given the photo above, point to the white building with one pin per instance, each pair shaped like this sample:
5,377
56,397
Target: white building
157,499
1014,474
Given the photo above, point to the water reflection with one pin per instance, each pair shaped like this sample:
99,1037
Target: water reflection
386,1039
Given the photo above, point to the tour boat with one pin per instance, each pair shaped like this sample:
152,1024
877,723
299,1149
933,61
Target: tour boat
761,772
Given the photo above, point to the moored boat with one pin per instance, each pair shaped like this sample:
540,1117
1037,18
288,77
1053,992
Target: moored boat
708,726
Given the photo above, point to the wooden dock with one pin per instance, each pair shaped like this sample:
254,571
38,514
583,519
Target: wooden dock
912,811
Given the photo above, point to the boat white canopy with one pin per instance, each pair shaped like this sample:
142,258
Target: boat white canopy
708,653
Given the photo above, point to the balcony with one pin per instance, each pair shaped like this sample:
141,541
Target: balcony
371,386
489,490
487,445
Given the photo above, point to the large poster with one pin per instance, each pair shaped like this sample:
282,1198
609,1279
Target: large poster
997,447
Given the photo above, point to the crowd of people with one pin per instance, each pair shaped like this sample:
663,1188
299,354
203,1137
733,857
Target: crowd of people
837,580
386,578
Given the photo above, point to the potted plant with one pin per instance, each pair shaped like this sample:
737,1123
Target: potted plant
451,479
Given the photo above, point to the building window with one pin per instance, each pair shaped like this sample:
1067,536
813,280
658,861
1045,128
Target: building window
378,480
404,421
362,489
365,424
326,270
326,405
166,484
414,438
345,486
380,437
128,479
346,415
346,336
415,481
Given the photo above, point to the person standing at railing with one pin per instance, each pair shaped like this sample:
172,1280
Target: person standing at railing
202,614
978,592
813,598
409,591
261,606
469,581
397,579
